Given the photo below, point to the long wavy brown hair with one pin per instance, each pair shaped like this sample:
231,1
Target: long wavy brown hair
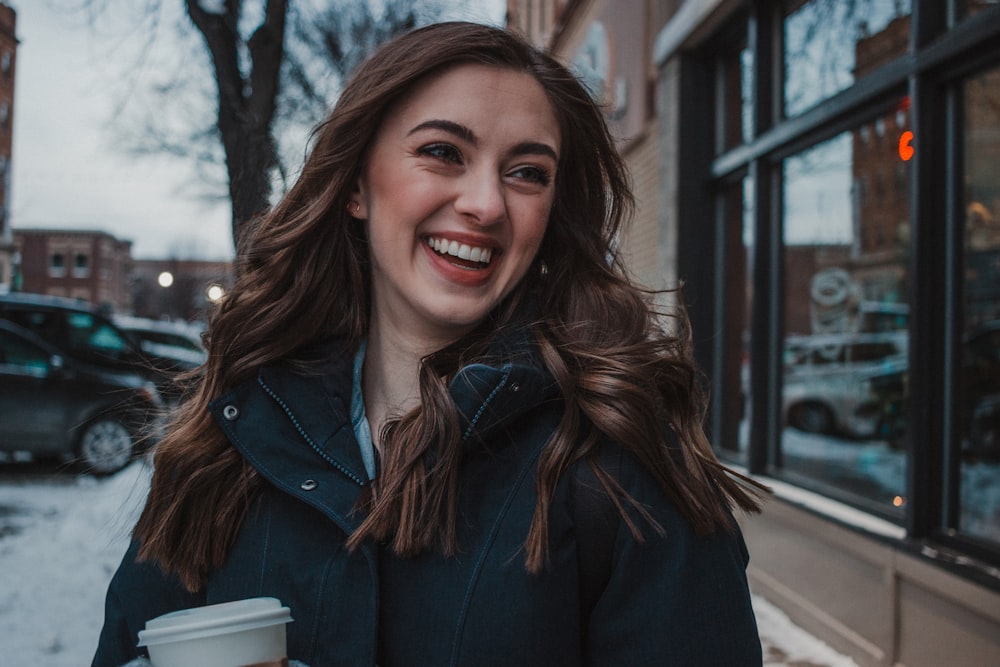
303,278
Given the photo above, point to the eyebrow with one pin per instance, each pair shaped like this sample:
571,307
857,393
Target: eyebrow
466,134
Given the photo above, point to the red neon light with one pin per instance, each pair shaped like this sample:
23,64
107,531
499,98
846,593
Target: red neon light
905,149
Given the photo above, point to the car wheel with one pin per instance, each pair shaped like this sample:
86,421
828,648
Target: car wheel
811,418
106,445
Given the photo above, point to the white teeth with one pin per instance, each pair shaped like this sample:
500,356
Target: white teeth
461,250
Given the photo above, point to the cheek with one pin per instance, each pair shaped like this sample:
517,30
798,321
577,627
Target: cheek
533,228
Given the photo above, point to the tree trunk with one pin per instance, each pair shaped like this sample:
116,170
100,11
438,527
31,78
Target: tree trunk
246,103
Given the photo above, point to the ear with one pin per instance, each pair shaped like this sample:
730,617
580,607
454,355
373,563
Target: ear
357,203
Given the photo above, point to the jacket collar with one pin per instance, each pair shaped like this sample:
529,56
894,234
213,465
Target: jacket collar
314,405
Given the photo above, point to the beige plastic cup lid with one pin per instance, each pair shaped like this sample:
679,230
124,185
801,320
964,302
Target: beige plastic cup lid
211,620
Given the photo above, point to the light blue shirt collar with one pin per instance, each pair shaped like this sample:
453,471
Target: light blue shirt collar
359,420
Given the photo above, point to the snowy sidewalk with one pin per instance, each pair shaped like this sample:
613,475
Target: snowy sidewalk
61,539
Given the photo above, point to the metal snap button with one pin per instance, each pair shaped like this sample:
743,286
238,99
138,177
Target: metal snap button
230,412
309,485
515,387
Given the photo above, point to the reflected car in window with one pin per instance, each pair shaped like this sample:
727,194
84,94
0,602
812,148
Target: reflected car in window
54,406
830,381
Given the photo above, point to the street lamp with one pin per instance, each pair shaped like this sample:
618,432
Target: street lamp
215,292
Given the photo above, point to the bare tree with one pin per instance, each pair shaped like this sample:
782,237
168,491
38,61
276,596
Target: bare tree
255,75
273,65
247,99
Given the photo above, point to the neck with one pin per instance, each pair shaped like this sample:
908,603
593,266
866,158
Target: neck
391,375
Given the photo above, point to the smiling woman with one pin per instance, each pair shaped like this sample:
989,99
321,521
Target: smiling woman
462,165
435,421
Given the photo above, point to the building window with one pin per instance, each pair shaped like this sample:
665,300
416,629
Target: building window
4,114
828,44
967,8
735,80
81,265
978,395
733,389
5,62
854,305
844,271
57,265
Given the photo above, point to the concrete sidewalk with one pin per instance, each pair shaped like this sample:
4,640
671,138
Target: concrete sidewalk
787,645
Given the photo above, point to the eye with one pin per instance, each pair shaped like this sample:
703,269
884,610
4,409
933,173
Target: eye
441,151
532,174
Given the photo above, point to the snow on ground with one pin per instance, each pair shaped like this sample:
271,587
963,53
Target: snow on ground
61,539
62,536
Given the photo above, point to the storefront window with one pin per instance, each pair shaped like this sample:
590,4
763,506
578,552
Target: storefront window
967,8
828,44
844,368
734,385
736,109
979,383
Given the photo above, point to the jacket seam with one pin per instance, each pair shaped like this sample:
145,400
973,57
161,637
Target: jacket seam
486,402
318,620
298,427
266,549
486,548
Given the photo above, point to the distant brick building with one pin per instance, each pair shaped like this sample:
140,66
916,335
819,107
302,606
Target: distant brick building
8,57
89,265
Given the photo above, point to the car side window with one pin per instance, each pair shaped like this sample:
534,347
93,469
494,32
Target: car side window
19,356
89,335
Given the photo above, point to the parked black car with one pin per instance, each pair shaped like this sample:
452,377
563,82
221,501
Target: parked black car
54,406
86,334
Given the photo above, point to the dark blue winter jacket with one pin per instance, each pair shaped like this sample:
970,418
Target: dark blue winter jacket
605,599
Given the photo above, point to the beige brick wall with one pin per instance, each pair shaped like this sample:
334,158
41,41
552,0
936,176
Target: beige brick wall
640,242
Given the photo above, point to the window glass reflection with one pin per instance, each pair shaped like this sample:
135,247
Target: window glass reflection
967,8
736,67
734,386
979,383
846,246
831,43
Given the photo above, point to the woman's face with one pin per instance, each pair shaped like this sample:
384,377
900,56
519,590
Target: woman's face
456,195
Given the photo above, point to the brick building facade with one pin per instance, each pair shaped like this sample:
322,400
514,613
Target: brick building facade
96,267
87,265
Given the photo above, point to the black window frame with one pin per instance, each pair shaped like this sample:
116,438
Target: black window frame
942,52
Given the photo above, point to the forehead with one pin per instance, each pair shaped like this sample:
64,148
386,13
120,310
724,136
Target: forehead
488,97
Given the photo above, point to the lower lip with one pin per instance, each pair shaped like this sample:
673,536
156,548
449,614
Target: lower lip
457,274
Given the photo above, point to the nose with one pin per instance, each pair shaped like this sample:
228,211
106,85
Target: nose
481,197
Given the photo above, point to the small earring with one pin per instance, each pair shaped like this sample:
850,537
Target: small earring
352,208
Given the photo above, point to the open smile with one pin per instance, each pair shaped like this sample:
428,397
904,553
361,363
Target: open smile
471,258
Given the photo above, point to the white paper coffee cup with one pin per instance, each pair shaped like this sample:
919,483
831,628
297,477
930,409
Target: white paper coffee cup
231,634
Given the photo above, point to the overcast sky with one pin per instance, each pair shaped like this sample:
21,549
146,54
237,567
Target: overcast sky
67,172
